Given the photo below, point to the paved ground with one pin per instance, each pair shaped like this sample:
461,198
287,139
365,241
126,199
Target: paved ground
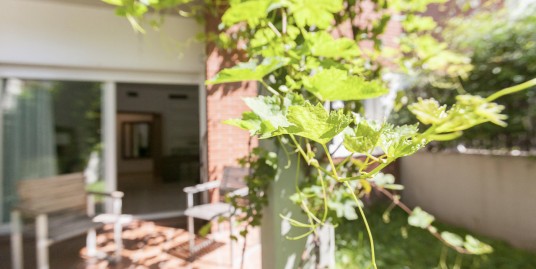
147,245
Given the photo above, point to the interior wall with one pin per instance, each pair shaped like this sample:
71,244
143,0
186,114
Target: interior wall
180,116
178,109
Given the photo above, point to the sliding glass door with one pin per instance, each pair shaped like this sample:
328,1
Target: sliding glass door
47,128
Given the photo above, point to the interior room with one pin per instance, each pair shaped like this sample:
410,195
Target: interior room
158,148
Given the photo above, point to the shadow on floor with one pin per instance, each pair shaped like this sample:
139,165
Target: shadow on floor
161,244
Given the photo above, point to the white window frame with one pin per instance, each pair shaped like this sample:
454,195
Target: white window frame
1,152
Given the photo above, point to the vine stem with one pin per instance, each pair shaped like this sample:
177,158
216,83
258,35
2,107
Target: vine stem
367,175
324,217
362,213
304,206
512,89
286,152
270,89
331,162
302,152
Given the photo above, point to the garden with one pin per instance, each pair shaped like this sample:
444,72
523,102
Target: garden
348,90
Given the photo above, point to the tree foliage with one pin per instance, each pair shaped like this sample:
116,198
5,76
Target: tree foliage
501,48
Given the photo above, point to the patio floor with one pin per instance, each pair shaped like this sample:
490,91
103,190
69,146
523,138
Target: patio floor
146,245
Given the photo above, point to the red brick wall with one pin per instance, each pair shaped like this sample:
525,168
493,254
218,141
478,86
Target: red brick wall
225,143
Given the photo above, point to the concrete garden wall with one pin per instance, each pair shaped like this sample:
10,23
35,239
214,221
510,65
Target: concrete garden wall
487,194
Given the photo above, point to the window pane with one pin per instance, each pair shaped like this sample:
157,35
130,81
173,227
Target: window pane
49,128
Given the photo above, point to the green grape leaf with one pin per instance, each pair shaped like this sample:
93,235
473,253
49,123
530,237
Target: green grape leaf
428,111
249,121
268,108
416,23
400,141
471,110
317,13
349,210
315,123
364,139
386,181
113,2
249,71
394,187
268,115
334,84
452,239
420,218
205,229
413,6
476,247
262,37
250,11
161,4
446,136
382,179
322,44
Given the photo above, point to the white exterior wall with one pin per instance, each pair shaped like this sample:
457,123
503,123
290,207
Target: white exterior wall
489,195
49,34
84,40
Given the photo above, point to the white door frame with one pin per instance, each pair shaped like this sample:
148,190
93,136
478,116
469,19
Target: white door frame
109,137
109,80
1,151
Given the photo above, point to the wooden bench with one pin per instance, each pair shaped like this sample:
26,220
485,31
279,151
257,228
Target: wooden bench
62,209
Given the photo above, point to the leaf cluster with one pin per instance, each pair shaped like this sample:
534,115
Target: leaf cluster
299,54
500,45
263,167
303,66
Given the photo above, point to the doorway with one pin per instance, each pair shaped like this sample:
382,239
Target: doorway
158,147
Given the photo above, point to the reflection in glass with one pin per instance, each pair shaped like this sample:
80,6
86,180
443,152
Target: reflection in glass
48,128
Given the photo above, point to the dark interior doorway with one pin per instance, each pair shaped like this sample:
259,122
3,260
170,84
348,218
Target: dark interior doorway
158,145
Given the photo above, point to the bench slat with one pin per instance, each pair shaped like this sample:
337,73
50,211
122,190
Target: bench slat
53,194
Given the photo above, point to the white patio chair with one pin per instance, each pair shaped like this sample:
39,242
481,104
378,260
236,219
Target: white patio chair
62,209
231,182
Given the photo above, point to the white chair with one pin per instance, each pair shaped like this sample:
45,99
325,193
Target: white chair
62,209
231,182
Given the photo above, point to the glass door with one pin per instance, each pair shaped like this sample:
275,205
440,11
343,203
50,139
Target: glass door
47,128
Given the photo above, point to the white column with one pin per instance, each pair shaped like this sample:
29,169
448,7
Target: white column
203,138
1,152
277,250
109,137
16,240
203,126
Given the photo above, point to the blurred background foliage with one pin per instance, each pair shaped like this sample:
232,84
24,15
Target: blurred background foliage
501,46
401,246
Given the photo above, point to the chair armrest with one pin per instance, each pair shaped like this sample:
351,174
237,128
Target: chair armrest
114,194
202,187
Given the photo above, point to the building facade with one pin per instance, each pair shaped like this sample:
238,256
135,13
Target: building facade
81,91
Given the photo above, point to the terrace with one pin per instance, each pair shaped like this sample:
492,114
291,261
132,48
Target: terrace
147,244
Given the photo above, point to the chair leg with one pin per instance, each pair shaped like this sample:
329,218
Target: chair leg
42,241
191,234
91,243
118,230
231,224
16,240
